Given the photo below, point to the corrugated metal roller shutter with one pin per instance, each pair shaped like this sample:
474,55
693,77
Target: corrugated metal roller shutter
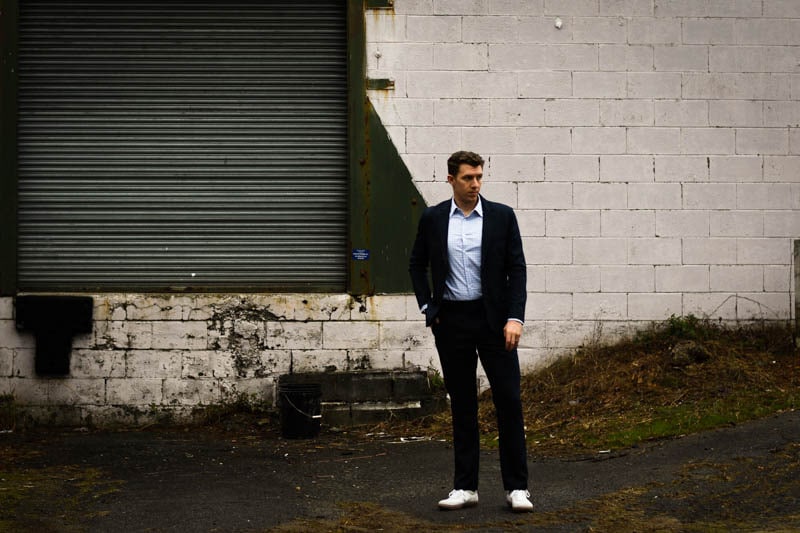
175,144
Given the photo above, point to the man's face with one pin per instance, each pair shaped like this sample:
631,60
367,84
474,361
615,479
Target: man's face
466,184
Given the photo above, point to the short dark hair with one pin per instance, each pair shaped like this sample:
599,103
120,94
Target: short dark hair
461,157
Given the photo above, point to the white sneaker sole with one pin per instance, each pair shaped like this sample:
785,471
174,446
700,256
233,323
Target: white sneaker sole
521,509
456,506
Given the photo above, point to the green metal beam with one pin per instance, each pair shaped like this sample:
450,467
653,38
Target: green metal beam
395,208
384,203
359,267
8,146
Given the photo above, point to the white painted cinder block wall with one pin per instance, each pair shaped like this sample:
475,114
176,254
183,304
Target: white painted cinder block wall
651,149
151,356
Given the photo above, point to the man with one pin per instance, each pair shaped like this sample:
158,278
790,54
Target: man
475,309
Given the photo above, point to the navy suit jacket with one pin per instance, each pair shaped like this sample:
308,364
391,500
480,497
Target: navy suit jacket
503,270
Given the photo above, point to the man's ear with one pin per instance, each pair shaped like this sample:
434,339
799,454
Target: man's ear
450,178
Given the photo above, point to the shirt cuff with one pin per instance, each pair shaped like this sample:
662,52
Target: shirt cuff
517,320
423,309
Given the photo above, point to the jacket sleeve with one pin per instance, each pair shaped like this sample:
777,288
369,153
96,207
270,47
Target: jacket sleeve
516,271
420,260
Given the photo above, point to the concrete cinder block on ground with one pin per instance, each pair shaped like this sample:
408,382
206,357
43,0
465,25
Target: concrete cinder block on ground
350,398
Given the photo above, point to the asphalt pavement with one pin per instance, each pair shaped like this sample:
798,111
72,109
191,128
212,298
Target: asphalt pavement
196,479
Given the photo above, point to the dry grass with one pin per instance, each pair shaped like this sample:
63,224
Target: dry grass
677,377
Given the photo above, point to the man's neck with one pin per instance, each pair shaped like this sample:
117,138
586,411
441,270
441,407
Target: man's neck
466,209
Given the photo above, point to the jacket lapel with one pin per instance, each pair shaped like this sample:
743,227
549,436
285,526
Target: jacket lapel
486,232
443,222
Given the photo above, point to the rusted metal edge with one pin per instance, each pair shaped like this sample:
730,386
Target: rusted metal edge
378,84
379,4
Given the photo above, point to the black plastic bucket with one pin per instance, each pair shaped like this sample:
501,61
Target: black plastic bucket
301,409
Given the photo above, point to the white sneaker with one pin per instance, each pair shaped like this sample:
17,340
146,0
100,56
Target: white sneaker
518,500
459,498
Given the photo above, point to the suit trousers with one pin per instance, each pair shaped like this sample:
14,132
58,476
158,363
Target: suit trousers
462,336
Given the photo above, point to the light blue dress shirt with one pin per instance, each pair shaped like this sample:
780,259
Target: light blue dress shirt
463,282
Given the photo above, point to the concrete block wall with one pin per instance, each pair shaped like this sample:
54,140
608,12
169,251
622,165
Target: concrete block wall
651,148
155,356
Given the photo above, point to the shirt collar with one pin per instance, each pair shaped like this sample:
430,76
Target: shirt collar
478,207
